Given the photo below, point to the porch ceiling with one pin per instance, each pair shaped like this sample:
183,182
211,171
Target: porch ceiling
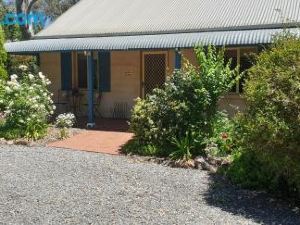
159,41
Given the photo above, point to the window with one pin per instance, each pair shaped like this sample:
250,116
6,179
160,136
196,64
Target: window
240,57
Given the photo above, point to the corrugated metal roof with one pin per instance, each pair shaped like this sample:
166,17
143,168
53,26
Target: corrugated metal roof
131,17
159,41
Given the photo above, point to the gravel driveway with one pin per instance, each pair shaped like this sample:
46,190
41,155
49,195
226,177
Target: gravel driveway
53,186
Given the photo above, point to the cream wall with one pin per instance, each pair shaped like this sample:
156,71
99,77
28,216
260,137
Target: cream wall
190,55
50,66
126,80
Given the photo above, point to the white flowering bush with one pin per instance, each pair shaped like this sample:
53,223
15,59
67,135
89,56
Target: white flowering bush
65,121
26,104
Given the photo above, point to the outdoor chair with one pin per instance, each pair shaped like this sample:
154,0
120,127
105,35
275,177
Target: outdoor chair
62,102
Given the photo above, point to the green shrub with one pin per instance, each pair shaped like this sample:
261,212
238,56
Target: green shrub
186,106
265,171
268,133
15,61
3,56
26,104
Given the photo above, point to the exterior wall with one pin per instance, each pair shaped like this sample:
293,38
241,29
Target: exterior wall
125,82
190,55
50,66
171,62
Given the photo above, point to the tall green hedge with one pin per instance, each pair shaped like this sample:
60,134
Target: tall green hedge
269,132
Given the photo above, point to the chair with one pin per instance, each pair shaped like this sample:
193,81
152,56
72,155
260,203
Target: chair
62,100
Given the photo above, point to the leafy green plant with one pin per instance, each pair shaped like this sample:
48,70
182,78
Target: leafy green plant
14,62
35,130
187,103
183,149
268,133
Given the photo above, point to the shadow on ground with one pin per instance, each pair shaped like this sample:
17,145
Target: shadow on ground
257,206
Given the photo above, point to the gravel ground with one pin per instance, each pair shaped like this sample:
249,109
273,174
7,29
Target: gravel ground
52,186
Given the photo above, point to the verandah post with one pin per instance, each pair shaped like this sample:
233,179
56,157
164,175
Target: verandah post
177,59
91,118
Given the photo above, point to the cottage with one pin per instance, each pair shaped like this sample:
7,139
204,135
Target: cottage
103,54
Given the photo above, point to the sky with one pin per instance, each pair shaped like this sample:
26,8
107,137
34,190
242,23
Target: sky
8,2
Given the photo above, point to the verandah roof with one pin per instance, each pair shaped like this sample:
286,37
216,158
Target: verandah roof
159,41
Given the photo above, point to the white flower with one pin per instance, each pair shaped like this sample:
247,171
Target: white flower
23,67
14,77
16,87
41,75
31,77
65,120
8,89
47,81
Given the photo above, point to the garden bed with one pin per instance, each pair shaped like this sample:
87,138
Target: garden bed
52,136
210,164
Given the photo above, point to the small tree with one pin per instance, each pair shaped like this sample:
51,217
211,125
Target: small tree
185,107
